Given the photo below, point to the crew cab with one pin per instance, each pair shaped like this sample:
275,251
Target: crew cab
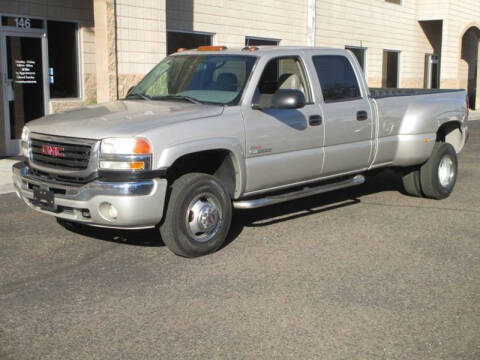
213,129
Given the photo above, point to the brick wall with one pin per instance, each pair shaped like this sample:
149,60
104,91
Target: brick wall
376,25
461,15
232,20
141,42
141,35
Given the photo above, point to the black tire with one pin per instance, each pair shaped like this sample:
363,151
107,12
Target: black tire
411,182
193,195
434,185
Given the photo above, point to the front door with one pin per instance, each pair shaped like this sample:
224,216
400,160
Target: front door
283,146
23,84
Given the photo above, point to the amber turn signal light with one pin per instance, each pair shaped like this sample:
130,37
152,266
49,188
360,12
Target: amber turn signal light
142,147
137,165
211,48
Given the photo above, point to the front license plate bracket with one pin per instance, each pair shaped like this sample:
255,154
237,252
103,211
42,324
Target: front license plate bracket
45,199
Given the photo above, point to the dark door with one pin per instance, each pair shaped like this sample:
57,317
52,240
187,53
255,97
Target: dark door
25,87
390,69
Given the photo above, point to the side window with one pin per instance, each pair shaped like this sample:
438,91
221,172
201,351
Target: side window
337,78
281,73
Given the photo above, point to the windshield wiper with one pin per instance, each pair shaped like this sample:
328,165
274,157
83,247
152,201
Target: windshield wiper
142,96
178,97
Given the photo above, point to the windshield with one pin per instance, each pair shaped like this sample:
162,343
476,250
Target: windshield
218,79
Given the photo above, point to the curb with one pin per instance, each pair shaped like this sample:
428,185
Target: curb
6,189
6,183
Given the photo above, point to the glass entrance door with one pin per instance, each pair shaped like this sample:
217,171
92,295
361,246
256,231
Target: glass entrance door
24,85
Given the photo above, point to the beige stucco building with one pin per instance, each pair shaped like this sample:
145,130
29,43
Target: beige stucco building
58,54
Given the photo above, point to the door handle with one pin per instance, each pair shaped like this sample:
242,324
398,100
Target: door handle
362,115
315,120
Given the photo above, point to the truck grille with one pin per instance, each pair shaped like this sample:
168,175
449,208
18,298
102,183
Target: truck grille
60,154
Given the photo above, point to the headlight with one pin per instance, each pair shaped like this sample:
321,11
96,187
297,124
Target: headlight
126,146
125,154
25,137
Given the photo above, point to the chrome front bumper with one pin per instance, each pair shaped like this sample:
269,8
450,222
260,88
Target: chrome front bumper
138,204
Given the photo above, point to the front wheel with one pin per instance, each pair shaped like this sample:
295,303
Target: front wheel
198,215
439,174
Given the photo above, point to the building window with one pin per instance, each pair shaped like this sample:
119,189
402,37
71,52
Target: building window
63,59
360,53
186,40
256,41
398,2
391,61
337,78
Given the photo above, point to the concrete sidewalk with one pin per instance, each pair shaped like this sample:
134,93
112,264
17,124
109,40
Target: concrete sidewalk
6,184
474,115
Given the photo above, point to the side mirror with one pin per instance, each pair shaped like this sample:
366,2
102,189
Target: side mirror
288,99
130,89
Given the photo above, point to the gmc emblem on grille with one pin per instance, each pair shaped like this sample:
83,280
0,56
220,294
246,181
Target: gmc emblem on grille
55,151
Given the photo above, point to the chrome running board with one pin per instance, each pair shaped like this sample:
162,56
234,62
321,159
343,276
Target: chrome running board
305,192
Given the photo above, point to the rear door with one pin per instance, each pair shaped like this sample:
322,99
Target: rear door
283,146
348,114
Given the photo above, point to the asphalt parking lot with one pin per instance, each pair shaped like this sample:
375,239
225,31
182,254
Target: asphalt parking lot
363,273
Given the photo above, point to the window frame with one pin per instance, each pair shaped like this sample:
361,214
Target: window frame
204,33
399,3
360,88
399,65
262,39
365,57
78,48
310,99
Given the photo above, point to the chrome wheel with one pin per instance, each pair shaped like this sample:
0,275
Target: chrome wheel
446,171
204,217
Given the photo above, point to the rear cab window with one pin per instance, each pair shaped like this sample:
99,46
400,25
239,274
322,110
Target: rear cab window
337,78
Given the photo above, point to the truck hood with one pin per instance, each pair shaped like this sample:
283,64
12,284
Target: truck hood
120,118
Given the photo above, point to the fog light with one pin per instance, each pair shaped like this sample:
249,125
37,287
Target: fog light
108,211
112,212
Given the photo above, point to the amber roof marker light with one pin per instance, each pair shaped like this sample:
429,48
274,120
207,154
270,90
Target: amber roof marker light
212,48
250,48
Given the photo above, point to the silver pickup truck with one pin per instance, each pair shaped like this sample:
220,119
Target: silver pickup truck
212,129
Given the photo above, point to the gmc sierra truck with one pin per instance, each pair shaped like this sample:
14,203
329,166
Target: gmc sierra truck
213,129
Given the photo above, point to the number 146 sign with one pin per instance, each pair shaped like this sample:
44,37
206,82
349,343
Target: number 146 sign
23,23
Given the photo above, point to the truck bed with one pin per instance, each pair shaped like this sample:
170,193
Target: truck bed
378,93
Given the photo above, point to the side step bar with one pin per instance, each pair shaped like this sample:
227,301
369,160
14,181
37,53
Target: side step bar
305,192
